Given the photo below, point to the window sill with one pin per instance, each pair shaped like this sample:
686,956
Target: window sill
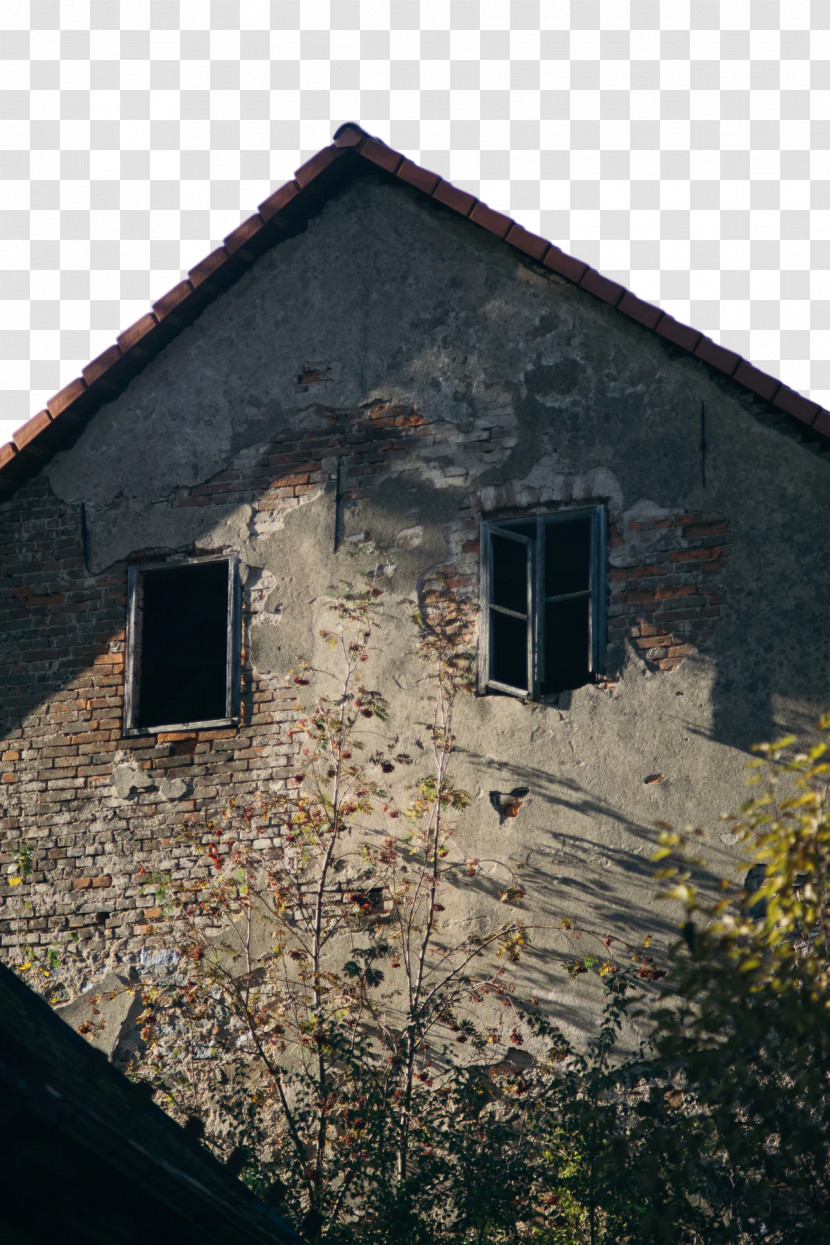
211,724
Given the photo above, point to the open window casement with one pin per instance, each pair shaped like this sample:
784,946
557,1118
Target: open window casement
183,645
543,584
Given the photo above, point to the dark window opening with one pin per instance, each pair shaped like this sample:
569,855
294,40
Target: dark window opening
182,649
543,602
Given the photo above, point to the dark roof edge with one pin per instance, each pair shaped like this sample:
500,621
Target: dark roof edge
280,215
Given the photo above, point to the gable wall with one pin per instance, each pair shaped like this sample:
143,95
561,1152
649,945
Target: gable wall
396,374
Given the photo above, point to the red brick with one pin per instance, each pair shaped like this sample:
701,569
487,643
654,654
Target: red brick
638,598
652,641
669,594
81,884
705,529
696,555
650,629
101,882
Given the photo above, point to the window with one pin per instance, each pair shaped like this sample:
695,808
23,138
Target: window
183,645
543,602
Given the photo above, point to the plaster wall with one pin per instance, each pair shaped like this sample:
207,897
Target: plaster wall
391,375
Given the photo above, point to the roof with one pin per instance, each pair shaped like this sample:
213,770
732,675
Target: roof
284,213
119,1169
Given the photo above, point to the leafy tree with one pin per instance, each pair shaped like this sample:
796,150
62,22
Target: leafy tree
747,1035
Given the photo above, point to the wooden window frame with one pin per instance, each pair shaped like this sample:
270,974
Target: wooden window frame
233,668
596,594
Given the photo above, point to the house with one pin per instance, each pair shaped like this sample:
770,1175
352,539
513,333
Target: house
375,355
93,1159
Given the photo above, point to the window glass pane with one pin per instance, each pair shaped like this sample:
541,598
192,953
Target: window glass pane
566,644
508,649
184,639
567,556
508,581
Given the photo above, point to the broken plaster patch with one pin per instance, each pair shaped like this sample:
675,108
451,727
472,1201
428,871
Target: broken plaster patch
127,780
173,788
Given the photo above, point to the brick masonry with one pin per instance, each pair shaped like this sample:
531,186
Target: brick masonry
62,680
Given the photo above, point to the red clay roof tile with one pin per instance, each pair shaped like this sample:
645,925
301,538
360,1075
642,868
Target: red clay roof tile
351,138
99,367
530,243
137,332
382,155
421,179
822,423
756,380
278,200
643,313
31,429
493,222
64,398
565,265
170,301
453,198
237,238
678,333
721,358
595,283
313,167
349,135
795,404
206,267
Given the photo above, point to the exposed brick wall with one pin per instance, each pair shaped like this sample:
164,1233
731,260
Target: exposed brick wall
62,691
667,599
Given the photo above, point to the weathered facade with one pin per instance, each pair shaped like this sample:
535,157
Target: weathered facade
402,366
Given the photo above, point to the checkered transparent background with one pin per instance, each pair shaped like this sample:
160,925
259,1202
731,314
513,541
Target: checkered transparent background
681,148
